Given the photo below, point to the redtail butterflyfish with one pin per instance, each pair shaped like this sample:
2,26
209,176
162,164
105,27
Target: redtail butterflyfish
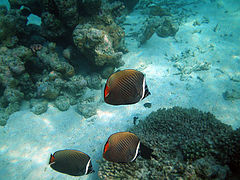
125,87
124,147
71,162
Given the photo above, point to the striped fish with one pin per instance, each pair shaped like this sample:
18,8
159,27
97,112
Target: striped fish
71,162
124,147
125,87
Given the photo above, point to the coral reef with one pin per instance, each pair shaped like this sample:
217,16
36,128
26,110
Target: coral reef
49,57
52,28
35,72
34,5
42,63
188,144
116,9
90,8
96,45
14,80
12,25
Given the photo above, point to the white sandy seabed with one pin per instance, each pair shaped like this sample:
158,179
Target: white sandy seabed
27,140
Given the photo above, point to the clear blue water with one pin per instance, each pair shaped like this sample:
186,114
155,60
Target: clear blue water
198,67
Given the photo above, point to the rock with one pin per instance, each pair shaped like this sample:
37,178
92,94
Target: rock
7,25
47,90
129,4
72,99
207,167
12,108
38,106
34,5
167,28
13,27
148,29
156,10
232,94
235,77
90,7
147,105
68,12
107,71
94,81
52,27
96,45
16,66
86,110
67,53
67,69
50,58
76,85
163,26
22,53
13,95
116,9
3,118
62,103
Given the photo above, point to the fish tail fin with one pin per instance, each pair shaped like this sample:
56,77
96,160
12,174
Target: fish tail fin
146,152
52,159
147,92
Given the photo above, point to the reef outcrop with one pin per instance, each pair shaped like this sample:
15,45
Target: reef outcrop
44,63
188,143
